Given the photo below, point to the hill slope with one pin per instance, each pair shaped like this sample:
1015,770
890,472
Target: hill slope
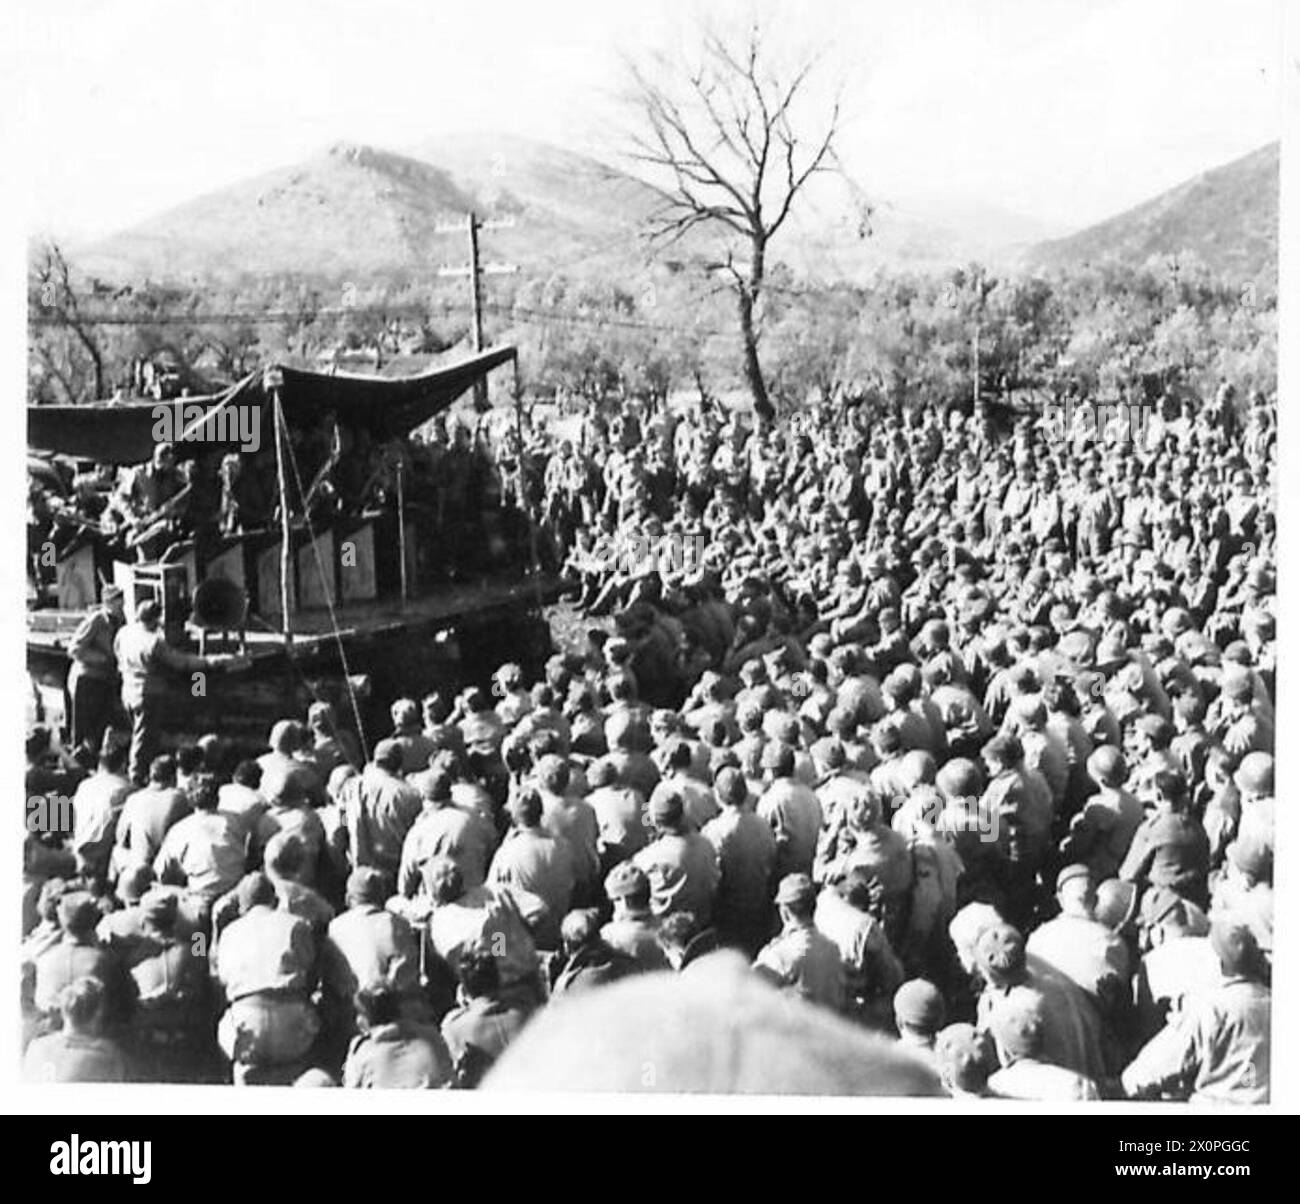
360,212
1227,217
353,209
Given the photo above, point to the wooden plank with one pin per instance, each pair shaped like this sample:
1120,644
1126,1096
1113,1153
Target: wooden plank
316,581
270,589
229,564
357,578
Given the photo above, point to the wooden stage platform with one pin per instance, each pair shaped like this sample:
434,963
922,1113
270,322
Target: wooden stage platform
445,605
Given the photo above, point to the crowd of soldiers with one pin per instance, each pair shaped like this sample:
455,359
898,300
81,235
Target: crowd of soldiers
951,765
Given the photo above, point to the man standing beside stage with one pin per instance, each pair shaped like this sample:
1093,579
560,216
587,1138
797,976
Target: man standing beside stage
94,670
143,658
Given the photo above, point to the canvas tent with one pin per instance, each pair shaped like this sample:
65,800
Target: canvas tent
126,433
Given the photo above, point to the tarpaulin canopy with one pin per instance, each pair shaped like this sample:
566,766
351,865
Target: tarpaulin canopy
126,433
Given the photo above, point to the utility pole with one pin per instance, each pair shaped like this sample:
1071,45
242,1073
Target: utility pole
475,280
978,282
476,271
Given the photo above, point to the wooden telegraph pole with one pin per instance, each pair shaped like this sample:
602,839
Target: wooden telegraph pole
475,279
975,340
476,271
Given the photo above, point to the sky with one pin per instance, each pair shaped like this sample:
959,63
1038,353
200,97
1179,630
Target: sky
1066,111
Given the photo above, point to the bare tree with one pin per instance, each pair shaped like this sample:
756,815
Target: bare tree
721,133
53,301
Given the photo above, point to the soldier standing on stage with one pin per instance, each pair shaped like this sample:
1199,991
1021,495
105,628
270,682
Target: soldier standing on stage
94,669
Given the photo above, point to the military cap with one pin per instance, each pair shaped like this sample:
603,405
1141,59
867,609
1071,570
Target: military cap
667,807
1255,774
1106,765
366,885
1160,903
959,778
1070,872
1111,653
1018,1023
626,880
388,753
1252,857
1116,903
796,888
919,1004
1233,941
1237,686
962,1056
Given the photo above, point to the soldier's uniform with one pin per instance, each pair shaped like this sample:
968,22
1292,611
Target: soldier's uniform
634,930
404,1054
143,656
801,960
367,944
93,673
145,491
72,1057
265,960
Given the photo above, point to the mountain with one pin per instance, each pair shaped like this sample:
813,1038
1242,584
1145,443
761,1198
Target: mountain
360,212
1228,217
513,175
351,206
918,233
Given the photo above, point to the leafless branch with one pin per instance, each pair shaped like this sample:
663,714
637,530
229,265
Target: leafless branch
722,130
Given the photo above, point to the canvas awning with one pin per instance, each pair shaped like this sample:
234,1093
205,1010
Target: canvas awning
126,433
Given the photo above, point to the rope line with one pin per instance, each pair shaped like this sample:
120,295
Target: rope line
320,568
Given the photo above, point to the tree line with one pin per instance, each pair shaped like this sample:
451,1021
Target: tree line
902,336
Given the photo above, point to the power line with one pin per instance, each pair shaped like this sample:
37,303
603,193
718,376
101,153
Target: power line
403,309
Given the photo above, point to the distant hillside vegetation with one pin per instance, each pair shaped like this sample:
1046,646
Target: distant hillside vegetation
1227,217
